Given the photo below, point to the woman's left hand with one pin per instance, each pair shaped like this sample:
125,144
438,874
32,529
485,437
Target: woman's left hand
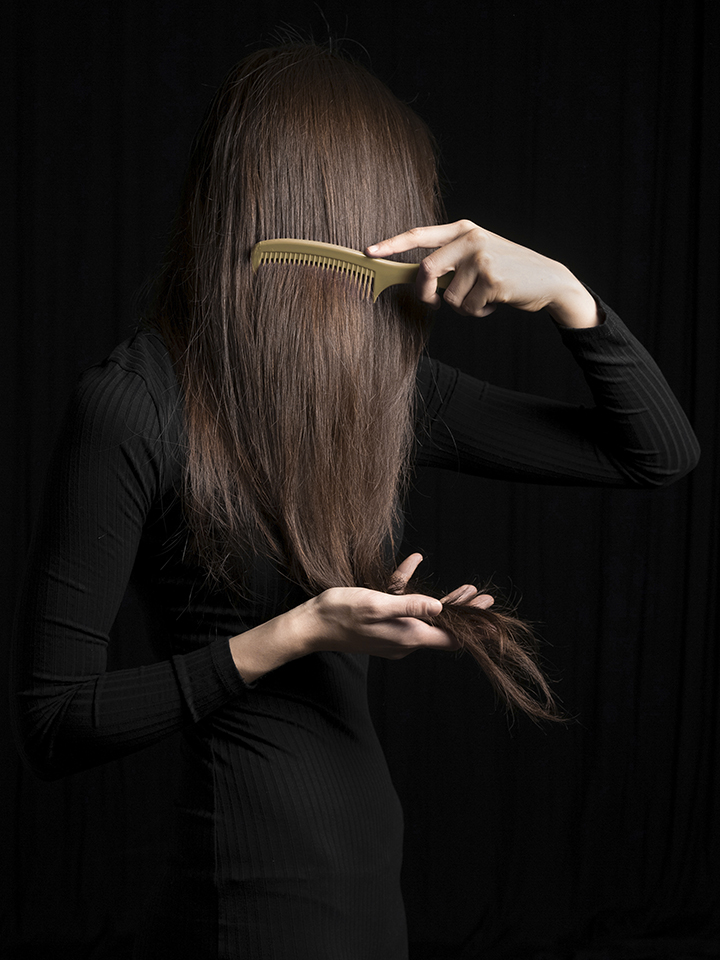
490,270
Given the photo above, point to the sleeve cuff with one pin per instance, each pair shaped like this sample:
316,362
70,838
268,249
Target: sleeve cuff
610,327
227,672
208,678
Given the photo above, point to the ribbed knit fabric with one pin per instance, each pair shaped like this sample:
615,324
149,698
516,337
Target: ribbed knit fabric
289,832
636,435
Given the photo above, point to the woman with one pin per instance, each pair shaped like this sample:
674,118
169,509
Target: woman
242,459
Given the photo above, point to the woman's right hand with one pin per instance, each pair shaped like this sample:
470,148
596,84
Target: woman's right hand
490,270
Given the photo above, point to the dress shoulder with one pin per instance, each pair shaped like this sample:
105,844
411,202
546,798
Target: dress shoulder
131,403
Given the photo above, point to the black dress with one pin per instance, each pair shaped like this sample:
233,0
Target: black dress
288,837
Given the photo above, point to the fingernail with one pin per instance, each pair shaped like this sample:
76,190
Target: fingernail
373,248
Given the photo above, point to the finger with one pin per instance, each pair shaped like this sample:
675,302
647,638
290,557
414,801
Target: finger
454,255
476,302
468,595
483,600
460,594
434,236
438,639
469,293
407,636
433,300
426,286
387,606
424,634
405,570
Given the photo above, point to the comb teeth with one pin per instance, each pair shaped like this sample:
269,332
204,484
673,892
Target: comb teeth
360,275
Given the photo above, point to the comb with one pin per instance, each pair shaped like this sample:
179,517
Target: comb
372,274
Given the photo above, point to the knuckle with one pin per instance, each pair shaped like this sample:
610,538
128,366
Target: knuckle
424,270
427,269
415,232
467,225
477,235
483,262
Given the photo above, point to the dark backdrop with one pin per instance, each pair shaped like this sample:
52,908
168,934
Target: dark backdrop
585,130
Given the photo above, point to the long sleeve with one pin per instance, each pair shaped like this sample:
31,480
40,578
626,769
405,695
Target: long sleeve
70,712
636,434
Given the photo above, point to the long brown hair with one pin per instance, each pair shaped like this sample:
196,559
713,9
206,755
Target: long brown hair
298,391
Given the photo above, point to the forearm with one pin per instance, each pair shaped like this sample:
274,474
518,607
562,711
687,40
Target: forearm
71,713
636,435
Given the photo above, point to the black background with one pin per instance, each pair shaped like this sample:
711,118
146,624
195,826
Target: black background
585,130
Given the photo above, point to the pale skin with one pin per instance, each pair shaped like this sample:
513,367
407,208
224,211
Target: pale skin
353,620
489,270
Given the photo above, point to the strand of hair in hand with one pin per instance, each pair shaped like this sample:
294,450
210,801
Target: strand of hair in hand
506,649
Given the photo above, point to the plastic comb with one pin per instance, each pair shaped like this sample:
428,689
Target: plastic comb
372,274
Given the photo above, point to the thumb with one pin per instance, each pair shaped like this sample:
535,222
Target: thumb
418,605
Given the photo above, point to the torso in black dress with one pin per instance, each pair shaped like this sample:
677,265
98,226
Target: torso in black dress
288,829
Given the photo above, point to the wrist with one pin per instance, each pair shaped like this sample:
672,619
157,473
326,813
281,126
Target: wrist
311,624
574,307
270,645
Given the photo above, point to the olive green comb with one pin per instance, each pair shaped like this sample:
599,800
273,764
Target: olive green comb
372,274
